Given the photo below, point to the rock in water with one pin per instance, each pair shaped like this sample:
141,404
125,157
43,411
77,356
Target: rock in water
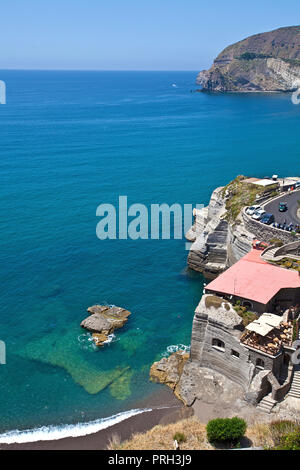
103,320
263,62
169,370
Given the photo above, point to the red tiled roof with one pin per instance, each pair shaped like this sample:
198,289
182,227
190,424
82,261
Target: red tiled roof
254,279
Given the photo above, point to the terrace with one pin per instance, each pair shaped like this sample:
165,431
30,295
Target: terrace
269,334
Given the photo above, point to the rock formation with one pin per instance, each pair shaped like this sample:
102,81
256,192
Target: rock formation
219,364
190,382
169,370
218,241
103,320
263,62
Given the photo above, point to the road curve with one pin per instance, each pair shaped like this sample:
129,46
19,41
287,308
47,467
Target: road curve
290,216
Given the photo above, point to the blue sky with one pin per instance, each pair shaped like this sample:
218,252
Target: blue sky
131,34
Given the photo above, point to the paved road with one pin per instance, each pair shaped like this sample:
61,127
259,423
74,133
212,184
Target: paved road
290,216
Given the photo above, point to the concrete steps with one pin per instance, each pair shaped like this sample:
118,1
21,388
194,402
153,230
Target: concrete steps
295,387
266,404
270,255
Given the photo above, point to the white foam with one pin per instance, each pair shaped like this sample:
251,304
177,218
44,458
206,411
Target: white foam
53,433
111,339
175,348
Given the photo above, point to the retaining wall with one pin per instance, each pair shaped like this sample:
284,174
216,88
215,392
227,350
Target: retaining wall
266,232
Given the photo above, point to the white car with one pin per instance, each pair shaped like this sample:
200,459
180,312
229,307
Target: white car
250,210
258,214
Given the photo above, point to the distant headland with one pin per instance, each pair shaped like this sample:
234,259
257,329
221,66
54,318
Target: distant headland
266,62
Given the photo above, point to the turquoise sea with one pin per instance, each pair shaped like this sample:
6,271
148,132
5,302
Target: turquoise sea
69,142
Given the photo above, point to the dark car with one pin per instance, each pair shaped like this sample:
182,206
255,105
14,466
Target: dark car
268,219
283,207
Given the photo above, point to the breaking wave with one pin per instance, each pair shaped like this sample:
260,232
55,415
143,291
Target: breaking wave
53,433
175,348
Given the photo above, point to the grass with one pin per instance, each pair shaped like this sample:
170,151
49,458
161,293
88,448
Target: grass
239,195
266,435
162,437
216,302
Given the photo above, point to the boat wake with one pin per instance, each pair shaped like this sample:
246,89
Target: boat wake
53,433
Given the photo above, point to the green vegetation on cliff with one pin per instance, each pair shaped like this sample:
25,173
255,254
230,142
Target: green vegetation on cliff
239,194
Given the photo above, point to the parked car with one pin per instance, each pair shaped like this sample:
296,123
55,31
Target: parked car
297,185
258,214
268,219
283,207
250,210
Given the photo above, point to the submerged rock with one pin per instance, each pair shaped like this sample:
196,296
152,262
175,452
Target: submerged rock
103,320
61,349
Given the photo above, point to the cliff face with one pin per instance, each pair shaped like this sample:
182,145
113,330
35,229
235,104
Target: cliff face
217,244
263,62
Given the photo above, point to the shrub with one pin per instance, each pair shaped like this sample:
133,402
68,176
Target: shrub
290,442
226,430
279,429
247,316
252,56
179,437
276,242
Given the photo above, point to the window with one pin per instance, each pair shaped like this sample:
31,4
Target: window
218,344
235,353
260,363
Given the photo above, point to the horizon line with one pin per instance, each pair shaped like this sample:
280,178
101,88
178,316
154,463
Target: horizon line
94,70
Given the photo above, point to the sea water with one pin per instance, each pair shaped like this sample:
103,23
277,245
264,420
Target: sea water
69,142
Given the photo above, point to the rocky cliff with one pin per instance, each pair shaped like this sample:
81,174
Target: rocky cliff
219,237
263,62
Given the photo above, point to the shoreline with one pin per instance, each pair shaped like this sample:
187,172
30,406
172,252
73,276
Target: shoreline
165,409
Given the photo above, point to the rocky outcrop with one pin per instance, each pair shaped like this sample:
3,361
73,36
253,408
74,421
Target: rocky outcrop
217,243
168,371
208,253
190,382
263,62
219,364
103,320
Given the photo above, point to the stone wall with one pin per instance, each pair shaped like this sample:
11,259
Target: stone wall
238,369
266,232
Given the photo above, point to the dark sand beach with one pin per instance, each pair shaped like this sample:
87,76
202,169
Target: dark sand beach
166,409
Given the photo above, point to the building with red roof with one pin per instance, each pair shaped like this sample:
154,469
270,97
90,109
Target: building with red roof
259,285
